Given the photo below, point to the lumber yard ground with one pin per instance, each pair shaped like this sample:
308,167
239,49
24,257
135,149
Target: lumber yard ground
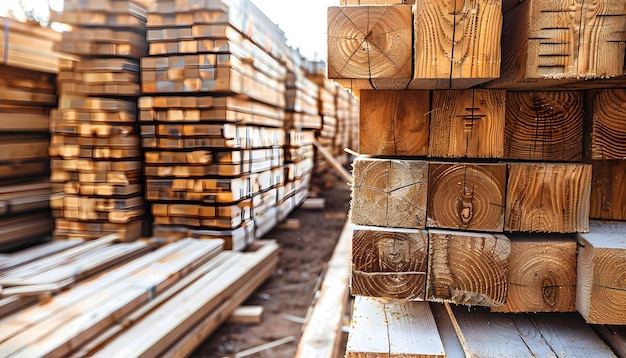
287,294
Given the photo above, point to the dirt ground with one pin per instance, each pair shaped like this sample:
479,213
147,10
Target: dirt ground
286,295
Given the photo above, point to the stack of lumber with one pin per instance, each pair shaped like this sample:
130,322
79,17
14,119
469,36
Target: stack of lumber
211,119
163,303
49,268
340,118
28,68
478,186
302,121
96,159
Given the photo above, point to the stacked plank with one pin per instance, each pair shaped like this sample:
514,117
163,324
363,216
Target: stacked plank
28,67
472,194
211,119
303,121
96,159
340,117
163,303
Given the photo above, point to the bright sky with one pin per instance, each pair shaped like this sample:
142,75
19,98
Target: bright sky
303,21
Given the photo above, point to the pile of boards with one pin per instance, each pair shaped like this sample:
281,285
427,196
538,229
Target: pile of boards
28,68
96,158
494,133
104,298
215,141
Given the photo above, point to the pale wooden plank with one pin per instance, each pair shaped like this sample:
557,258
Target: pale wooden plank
246,314
73,298
101,311
389,330
601,289
485,334
151,336
322,329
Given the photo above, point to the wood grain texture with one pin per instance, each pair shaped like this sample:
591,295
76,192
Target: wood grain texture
466,196
370,42
390,193
389,263
467,268
388,330
546,126
394,123
548,197
467,123
526,335
608,133
601,285
457,43
557,43
542,274
608,190
576,40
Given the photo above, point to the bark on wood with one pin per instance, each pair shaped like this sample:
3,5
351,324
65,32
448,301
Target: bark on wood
370,42
457,43
389,263
394,123
467,123
548,197
466,196
389,193
542,274
467,268
545,126
601,286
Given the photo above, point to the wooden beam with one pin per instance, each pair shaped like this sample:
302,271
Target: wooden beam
370,42
339,169
600,289
389,263
608,190
186,312
389,192
394,123
321,333
467,268
457,43
466,196
526,335
313,203
246,315
545,126
542,274
467,124
608,140
393,330
547,42
547,197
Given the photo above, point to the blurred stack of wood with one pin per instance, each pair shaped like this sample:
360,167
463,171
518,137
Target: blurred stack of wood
303,120
28,68
101,298
96,159
339,110
212,128
478,181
